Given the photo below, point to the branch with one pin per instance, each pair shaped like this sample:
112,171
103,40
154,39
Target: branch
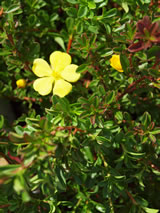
132,86
131,197
26,64
69,128
69,43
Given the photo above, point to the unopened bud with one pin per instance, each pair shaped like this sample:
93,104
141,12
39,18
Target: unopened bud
21,83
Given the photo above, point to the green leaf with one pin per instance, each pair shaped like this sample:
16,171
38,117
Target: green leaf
104,140
108,28
25,196
88,154
124,62
146,119
148,210
110,98
60,41
73,1
153,51
110,13
4,52
9,169
79,27
107,52
61,179
155,131
1,121
91,4
82,68
71,12
13,8
52,207
100,208
119,116
136,155
98,1
15,138
32,19
125,6
82,11
152,137
93,29
70,24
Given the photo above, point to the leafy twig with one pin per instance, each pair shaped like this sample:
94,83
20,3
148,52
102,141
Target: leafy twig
10,38
132,86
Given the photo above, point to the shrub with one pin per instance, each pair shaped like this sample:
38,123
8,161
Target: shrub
92,146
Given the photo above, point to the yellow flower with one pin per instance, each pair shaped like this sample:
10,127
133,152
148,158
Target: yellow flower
56,76
116,63
21,83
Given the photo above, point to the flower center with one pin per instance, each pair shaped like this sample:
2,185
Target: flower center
56,75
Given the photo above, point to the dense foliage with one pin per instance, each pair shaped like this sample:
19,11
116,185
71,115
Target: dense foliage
98,148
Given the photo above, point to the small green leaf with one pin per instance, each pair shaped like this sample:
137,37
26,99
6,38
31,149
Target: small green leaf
155,131
4,53
124,62
60,41
72,1
82,11
100,208
110,98
71,12
98,1
146,119
148,210
125,6
91,4
52,206
82,68
79,27
61,178
70,24
32,19
88,154
1,121
136,155
107,52
119,116
110,13
9,169
13,8
15,138
93,29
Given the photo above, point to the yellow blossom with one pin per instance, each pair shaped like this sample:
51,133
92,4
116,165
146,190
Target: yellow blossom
116,63
21,83
55,76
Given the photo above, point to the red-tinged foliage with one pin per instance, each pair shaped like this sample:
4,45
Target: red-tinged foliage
147,34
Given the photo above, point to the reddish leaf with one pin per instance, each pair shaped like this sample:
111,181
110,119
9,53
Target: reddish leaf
135,47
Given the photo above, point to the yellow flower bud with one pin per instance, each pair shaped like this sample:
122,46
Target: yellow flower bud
21,83
116,63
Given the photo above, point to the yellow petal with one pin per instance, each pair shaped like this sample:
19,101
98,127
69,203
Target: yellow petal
116,63
41,68
43,85
69,73
21,83
62,88
59,60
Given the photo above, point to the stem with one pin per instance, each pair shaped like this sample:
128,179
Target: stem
69,43
131,197
132,86
10,38
1,11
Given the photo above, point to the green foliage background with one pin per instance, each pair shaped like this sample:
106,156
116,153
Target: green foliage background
97,149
